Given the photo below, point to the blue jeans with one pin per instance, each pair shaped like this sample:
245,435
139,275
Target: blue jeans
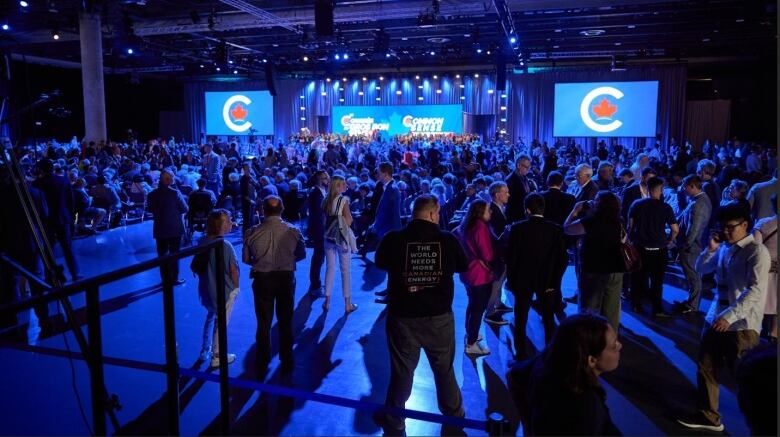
478,300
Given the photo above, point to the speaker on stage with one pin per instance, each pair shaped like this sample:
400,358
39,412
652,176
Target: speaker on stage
269,78
323,17
500,73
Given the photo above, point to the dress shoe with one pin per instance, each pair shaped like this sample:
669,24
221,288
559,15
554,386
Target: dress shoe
316,292
382,300
381,293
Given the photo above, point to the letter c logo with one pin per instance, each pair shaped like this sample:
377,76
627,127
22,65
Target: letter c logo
226,113
585,106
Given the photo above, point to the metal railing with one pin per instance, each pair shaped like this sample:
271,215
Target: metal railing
103,403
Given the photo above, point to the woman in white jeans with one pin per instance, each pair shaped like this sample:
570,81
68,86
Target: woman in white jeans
218,224
339,241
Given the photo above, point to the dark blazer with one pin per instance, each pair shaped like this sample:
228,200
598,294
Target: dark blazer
498,220
588,191
630,194
557,205
536,256
315,225
167,206
59,198
515,209
388,211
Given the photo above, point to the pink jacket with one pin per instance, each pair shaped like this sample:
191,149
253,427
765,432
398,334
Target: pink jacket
478,246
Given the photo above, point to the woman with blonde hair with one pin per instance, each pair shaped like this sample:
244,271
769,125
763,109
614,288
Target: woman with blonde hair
339,241
219,223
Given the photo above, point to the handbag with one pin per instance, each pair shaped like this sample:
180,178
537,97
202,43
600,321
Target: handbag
630,255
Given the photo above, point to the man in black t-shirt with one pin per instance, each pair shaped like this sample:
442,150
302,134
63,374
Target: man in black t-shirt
421,261
647,221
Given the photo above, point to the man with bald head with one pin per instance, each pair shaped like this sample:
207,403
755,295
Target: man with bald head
273,248
167,206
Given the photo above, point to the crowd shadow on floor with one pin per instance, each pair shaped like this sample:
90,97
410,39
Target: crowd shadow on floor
377,363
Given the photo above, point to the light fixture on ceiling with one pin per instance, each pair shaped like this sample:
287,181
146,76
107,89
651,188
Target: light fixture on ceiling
592,32
55,35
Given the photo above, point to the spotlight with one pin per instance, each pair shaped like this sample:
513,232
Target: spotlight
305,59
338,57
462,86
488,52
417,77
219,69
378,99
343,79
323,94
230,61
303,97
23,4
435,76
265,61
378,88
433,53
438,91
341,99
420,98
457,76
303,118
490,91
513,40
360,93
55,34
419,86
387,55
130,51
202,66
463,97
346,56
365,78
381,78
327,79
398,92
479,50
235,71
5,27
476,75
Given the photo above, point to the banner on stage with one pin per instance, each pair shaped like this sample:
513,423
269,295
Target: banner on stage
239,113
606,109
397,120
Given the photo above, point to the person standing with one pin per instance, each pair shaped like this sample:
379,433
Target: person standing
635,191
59,224
741,268
248,187
339,242
315,230
273,248
765,232
477,243
759,198
557,204
586,189
519,185
211,169
420,260
693,222
499,195
536,260
218,224
647,222
602,264
167,206
388,211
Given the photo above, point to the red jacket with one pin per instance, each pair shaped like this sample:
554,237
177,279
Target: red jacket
478,247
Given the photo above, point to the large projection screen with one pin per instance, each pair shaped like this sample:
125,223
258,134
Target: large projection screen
239,113
606,109
397,120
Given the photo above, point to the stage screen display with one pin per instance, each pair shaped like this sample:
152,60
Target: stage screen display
606,109
239,113
397,120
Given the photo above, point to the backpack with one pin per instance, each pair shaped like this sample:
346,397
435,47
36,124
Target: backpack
200,263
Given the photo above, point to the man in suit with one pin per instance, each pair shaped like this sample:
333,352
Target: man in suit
760,198
499,194
59,198
693,222
210,169
586,189
636,191
519,186
388,211
557,204
167,206
536,260
315,230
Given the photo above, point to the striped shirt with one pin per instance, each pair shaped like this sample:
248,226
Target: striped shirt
273,246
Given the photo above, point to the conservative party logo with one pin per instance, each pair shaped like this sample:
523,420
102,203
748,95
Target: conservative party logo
604,111
235,112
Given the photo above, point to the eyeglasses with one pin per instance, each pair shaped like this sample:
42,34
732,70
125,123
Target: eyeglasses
731,228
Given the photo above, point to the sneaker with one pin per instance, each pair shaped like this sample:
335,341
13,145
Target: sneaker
466,339
205,354
477,349
699,421
502,308
215,359
495,320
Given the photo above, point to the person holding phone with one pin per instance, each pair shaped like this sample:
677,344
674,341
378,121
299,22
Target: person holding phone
741,267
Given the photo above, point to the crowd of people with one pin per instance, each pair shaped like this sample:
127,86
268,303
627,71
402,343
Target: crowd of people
504,215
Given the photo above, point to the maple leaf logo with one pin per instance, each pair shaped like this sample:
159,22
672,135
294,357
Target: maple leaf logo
238,112
604,109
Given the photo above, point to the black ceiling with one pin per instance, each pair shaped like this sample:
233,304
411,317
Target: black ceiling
181,35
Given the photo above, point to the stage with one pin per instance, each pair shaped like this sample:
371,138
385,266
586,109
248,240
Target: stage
334,355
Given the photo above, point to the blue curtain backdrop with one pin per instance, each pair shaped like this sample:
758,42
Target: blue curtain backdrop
532,97
525,109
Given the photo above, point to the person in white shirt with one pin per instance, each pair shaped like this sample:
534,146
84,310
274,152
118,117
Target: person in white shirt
741,268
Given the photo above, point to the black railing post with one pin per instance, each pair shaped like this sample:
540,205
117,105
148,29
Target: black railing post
96,362
171,357
224,396
498,425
